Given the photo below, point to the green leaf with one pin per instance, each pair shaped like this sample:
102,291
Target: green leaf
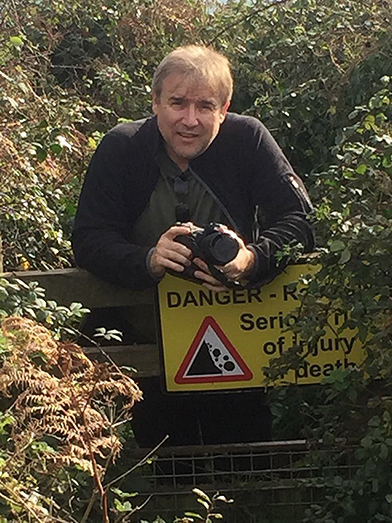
3,294
123,495
345,256
56,148
361,169
201,495
205,504
16,41
6,420
40,153
383,451
193,515
337,245
123,507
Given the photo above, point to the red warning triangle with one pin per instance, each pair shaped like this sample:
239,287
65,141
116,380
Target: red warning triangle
212,358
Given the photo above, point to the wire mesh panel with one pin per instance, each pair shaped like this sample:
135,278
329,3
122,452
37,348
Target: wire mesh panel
268,481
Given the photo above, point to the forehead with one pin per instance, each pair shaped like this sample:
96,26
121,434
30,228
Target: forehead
191,87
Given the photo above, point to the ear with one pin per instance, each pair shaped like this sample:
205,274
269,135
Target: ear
223,111
155,102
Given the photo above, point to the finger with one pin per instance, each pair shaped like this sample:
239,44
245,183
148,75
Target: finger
169,264
179,248
177,230
207,278
202,265
223,228
228,270
173,256
167,244
231,273
215,288
160,264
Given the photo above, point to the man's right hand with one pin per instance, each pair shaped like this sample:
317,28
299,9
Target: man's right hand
169,254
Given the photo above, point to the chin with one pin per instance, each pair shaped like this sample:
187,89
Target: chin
190,155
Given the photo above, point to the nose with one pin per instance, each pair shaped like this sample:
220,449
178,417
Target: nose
190,116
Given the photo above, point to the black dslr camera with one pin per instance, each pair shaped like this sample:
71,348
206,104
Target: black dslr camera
211,245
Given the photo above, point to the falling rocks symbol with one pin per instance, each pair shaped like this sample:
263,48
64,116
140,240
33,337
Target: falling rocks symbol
212,358
203,363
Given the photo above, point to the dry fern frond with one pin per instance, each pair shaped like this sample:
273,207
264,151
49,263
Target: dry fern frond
61,393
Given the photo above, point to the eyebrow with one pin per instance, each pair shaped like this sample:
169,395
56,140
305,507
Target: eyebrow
176,99
211,103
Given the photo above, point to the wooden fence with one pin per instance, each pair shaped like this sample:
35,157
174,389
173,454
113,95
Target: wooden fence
76,285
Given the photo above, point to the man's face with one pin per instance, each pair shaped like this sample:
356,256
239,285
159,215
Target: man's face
189,115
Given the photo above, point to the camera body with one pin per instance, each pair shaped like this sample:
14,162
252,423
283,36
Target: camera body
212,245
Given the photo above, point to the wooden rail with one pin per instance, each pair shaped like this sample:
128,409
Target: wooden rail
76,285
144,359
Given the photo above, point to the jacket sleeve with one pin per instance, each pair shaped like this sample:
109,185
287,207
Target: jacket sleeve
102,220
282,200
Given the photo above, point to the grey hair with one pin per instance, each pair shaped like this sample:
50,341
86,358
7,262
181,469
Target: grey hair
198,62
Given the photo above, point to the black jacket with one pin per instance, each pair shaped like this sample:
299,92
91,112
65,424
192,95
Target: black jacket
243,169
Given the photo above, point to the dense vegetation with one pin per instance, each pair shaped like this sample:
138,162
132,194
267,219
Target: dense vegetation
319,75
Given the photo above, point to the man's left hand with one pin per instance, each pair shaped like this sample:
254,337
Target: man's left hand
243,263
236,270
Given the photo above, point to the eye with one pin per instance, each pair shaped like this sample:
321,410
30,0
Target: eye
177,104
206,107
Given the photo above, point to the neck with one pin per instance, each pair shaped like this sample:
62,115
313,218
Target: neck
182,163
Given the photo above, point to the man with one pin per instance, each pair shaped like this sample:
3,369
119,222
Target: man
192,163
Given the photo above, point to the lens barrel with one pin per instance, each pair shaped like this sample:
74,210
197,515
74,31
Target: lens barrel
218,248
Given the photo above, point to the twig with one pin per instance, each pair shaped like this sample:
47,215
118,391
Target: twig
251,13
97,479
126,517
89,506
139,464
40,517
333,60
101,350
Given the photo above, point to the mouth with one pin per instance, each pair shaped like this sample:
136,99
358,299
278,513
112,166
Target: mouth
187,135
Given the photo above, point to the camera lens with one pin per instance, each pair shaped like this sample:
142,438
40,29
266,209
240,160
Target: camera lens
219,248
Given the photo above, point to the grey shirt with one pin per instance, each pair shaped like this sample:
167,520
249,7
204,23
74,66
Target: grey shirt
174,188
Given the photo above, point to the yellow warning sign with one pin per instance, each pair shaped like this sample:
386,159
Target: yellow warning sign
222,341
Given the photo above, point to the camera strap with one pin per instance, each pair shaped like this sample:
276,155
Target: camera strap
181,190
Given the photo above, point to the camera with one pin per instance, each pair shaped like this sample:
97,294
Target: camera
212,245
